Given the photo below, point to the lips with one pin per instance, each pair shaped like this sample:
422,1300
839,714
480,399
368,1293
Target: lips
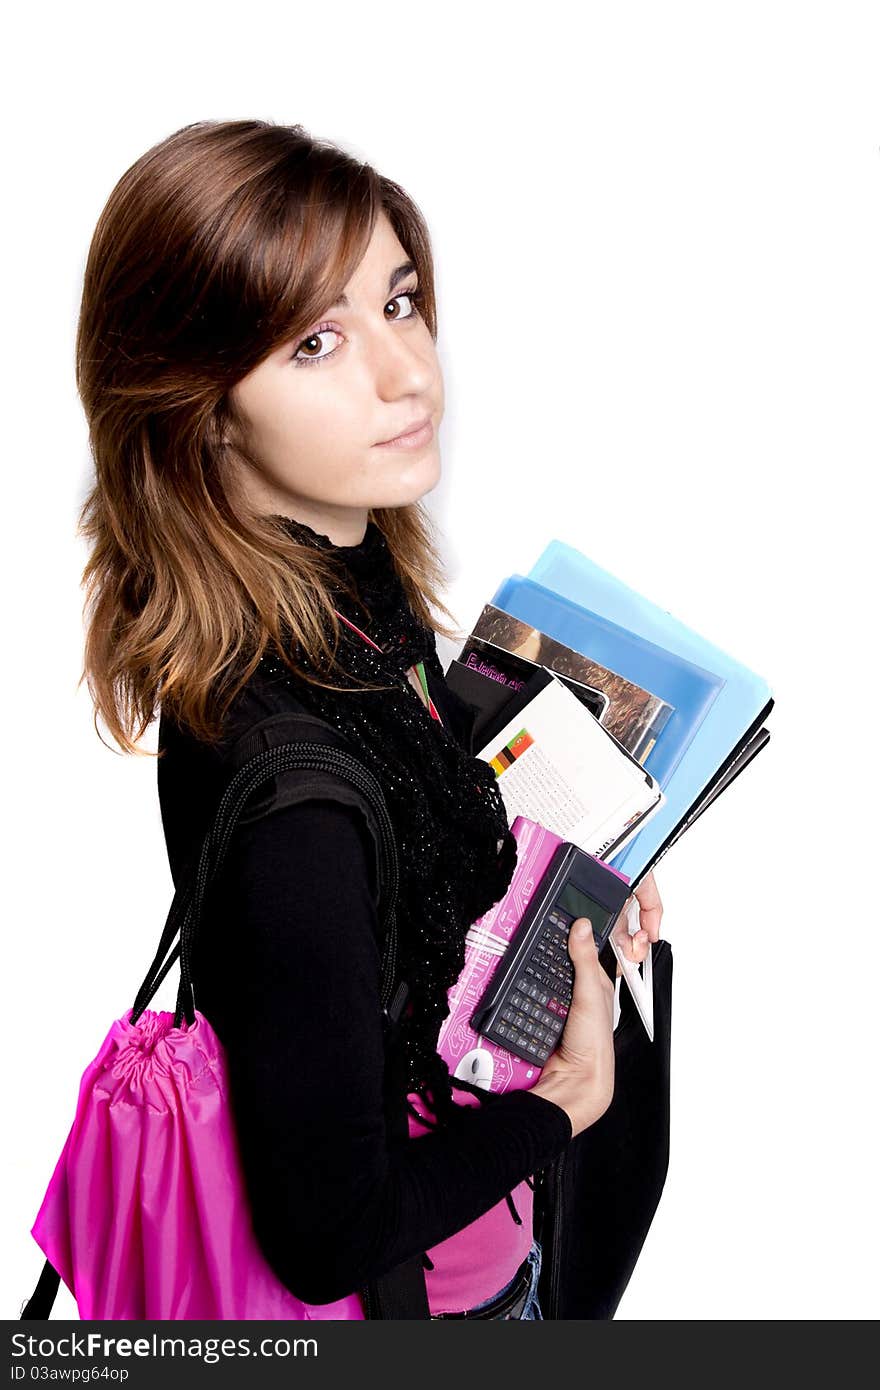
410,429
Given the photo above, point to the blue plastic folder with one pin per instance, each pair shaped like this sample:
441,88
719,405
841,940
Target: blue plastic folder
719,703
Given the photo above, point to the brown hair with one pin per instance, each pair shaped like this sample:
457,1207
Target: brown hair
219,244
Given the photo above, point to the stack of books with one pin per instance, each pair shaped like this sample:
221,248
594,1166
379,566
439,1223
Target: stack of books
606,719
609,723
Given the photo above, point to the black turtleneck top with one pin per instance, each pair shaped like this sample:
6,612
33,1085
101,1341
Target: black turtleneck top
288,975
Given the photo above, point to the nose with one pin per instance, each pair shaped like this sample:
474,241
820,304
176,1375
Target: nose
402,366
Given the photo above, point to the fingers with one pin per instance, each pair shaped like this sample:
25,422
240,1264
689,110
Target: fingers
622,938
640,945
650,911
587,1039
590,979
632,948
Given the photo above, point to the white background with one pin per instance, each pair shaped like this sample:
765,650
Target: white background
656,230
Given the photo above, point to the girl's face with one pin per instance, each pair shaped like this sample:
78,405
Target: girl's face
315,412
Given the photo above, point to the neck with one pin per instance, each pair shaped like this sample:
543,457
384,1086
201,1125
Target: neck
345,526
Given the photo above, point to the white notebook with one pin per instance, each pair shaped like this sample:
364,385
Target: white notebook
557,765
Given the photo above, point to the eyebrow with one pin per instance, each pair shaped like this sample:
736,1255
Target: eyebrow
394,279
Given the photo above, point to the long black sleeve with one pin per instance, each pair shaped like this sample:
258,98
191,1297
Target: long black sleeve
287,969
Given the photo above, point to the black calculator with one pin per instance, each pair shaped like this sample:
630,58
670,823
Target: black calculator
527,1000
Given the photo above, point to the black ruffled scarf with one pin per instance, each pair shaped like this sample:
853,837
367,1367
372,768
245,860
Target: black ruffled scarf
457,853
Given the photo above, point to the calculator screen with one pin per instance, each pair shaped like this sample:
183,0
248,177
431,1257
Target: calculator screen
579,905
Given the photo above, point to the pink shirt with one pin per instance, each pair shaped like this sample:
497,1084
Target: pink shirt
477,1261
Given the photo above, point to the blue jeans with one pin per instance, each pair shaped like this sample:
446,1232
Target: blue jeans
532,1308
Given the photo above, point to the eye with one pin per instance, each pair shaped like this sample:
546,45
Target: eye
313,338
415,296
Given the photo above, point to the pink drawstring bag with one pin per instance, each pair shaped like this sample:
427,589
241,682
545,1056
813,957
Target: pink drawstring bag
146,1215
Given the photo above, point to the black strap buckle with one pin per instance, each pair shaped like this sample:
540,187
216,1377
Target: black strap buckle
391,1015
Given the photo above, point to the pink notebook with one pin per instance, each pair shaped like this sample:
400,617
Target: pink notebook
467,1055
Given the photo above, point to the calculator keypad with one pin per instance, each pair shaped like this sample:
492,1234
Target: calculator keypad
530,1017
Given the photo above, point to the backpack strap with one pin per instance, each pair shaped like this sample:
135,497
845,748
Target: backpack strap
39,1305
280,790
327,767
402,1291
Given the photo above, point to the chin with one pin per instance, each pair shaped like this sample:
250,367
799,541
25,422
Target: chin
426,476
418,480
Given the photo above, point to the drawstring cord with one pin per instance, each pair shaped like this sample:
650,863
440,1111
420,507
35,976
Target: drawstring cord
513,1211
423,1120
483,1096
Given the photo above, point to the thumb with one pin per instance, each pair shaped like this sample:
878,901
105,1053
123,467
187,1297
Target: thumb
587,1039
581,938
592,986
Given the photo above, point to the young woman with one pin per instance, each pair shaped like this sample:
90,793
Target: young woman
256,358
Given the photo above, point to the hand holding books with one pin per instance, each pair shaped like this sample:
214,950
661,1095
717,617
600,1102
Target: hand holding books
579,1073
636,947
